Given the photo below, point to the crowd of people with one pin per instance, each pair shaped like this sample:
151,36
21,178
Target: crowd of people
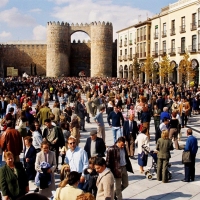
43,133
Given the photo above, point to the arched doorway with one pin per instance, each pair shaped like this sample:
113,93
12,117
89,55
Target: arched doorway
125,71
80,55
156,77
120,71
130,74
174,74
195,67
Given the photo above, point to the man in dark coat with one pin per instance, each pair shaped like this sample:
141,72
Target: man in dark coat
118,162
130,131
95,145
3,106
82,113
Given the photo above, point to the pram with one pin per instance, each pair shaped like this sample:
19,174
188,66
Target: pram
153,170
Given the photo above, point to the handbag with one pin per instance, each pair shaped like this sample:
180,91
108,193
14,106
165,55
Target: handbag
186,157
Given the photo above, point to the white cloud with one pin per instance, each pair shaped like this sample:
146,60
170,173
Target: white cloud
3,3
36,10
5,34
88,11
14,18
39,32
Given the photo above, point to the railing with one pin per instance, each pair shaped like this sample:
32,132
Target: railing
125,57
172,32
163,52
192,48
164,33
125,43
130,42
182,29
155,36
181,50
130,57
155,54
120,58
193,26
172,51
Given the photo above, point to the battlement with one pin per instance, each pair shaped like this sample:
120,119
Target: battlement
80,42
79,25
100,23
22,46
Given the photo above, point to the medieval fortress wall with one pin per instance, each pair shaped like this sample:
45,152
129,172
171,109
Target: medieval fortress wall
53,57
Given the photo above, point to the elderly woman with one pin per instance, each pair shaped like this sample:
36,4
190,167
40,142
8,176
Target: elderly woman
164,145
45,155
142,140
13,179
71,190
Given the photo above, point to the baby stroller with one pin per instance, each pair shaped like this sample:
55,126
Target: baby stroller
153,170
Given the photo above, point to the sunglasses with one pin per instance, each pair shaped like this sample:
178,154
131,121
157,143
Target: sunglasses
72,143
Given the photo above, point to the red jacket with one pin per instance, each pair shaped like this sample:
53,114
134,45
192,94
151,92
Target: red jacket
11,140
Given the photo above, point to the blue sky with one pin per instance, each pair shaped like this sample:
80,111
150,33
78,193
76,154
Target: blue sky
27,19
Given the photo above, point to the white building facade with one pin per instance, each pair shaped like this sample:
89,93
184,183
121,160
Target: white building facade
173,32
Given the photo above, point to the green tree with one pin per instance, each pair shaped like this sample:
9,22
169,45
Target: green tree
148,67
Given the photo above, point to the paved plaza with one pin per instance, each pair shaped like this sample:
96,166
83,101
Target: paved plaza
139,186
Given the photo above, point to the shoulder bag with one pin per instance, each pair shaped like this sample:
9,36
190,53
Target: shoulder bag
186,157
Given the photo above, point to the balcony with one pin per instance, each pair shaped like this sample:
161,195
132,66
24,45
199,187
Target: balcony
130,57
163,52
193,26
192,48
120,44
181,50
155,36
164,33
125,43
125,57
182,29
172,32
155,54
130,42
120,58
172,52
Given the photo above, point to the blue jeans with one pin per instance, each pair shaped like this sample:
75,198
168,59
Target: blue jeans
116,133
0,160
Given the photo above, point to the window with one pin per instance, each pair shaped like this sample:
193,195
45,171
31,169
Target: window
144,49
141,34
156,47
130,51
183,45
198,17
130,39
145,32
182,25
173,45
198,40
138,35
156,32
120,52
125,51
194,18
173,27
164,30
194,42
164,46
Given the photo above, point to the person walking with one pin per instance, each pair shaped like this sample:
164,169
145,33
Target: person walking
118,162
192,147
117,121
100,123
164,146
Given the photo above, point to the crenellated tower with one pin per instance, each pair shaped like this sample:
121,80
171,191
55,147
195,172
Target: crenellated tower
58,47
101,49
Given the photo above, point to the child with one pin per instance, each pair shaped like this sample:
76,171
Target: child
65,170
90,184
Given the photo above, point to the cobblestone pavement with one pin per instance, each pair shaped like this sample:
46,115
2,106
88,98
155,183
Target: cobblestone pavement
139,186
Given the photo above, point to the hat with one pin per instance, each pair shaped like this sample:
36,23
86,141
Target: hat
93,132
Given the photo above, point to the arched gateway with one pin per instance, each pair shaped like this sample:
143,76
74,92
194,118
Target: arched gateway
58,47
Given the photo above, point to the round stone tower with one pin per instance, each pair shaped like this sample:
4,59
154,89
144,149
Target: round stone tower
58,49
101,49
